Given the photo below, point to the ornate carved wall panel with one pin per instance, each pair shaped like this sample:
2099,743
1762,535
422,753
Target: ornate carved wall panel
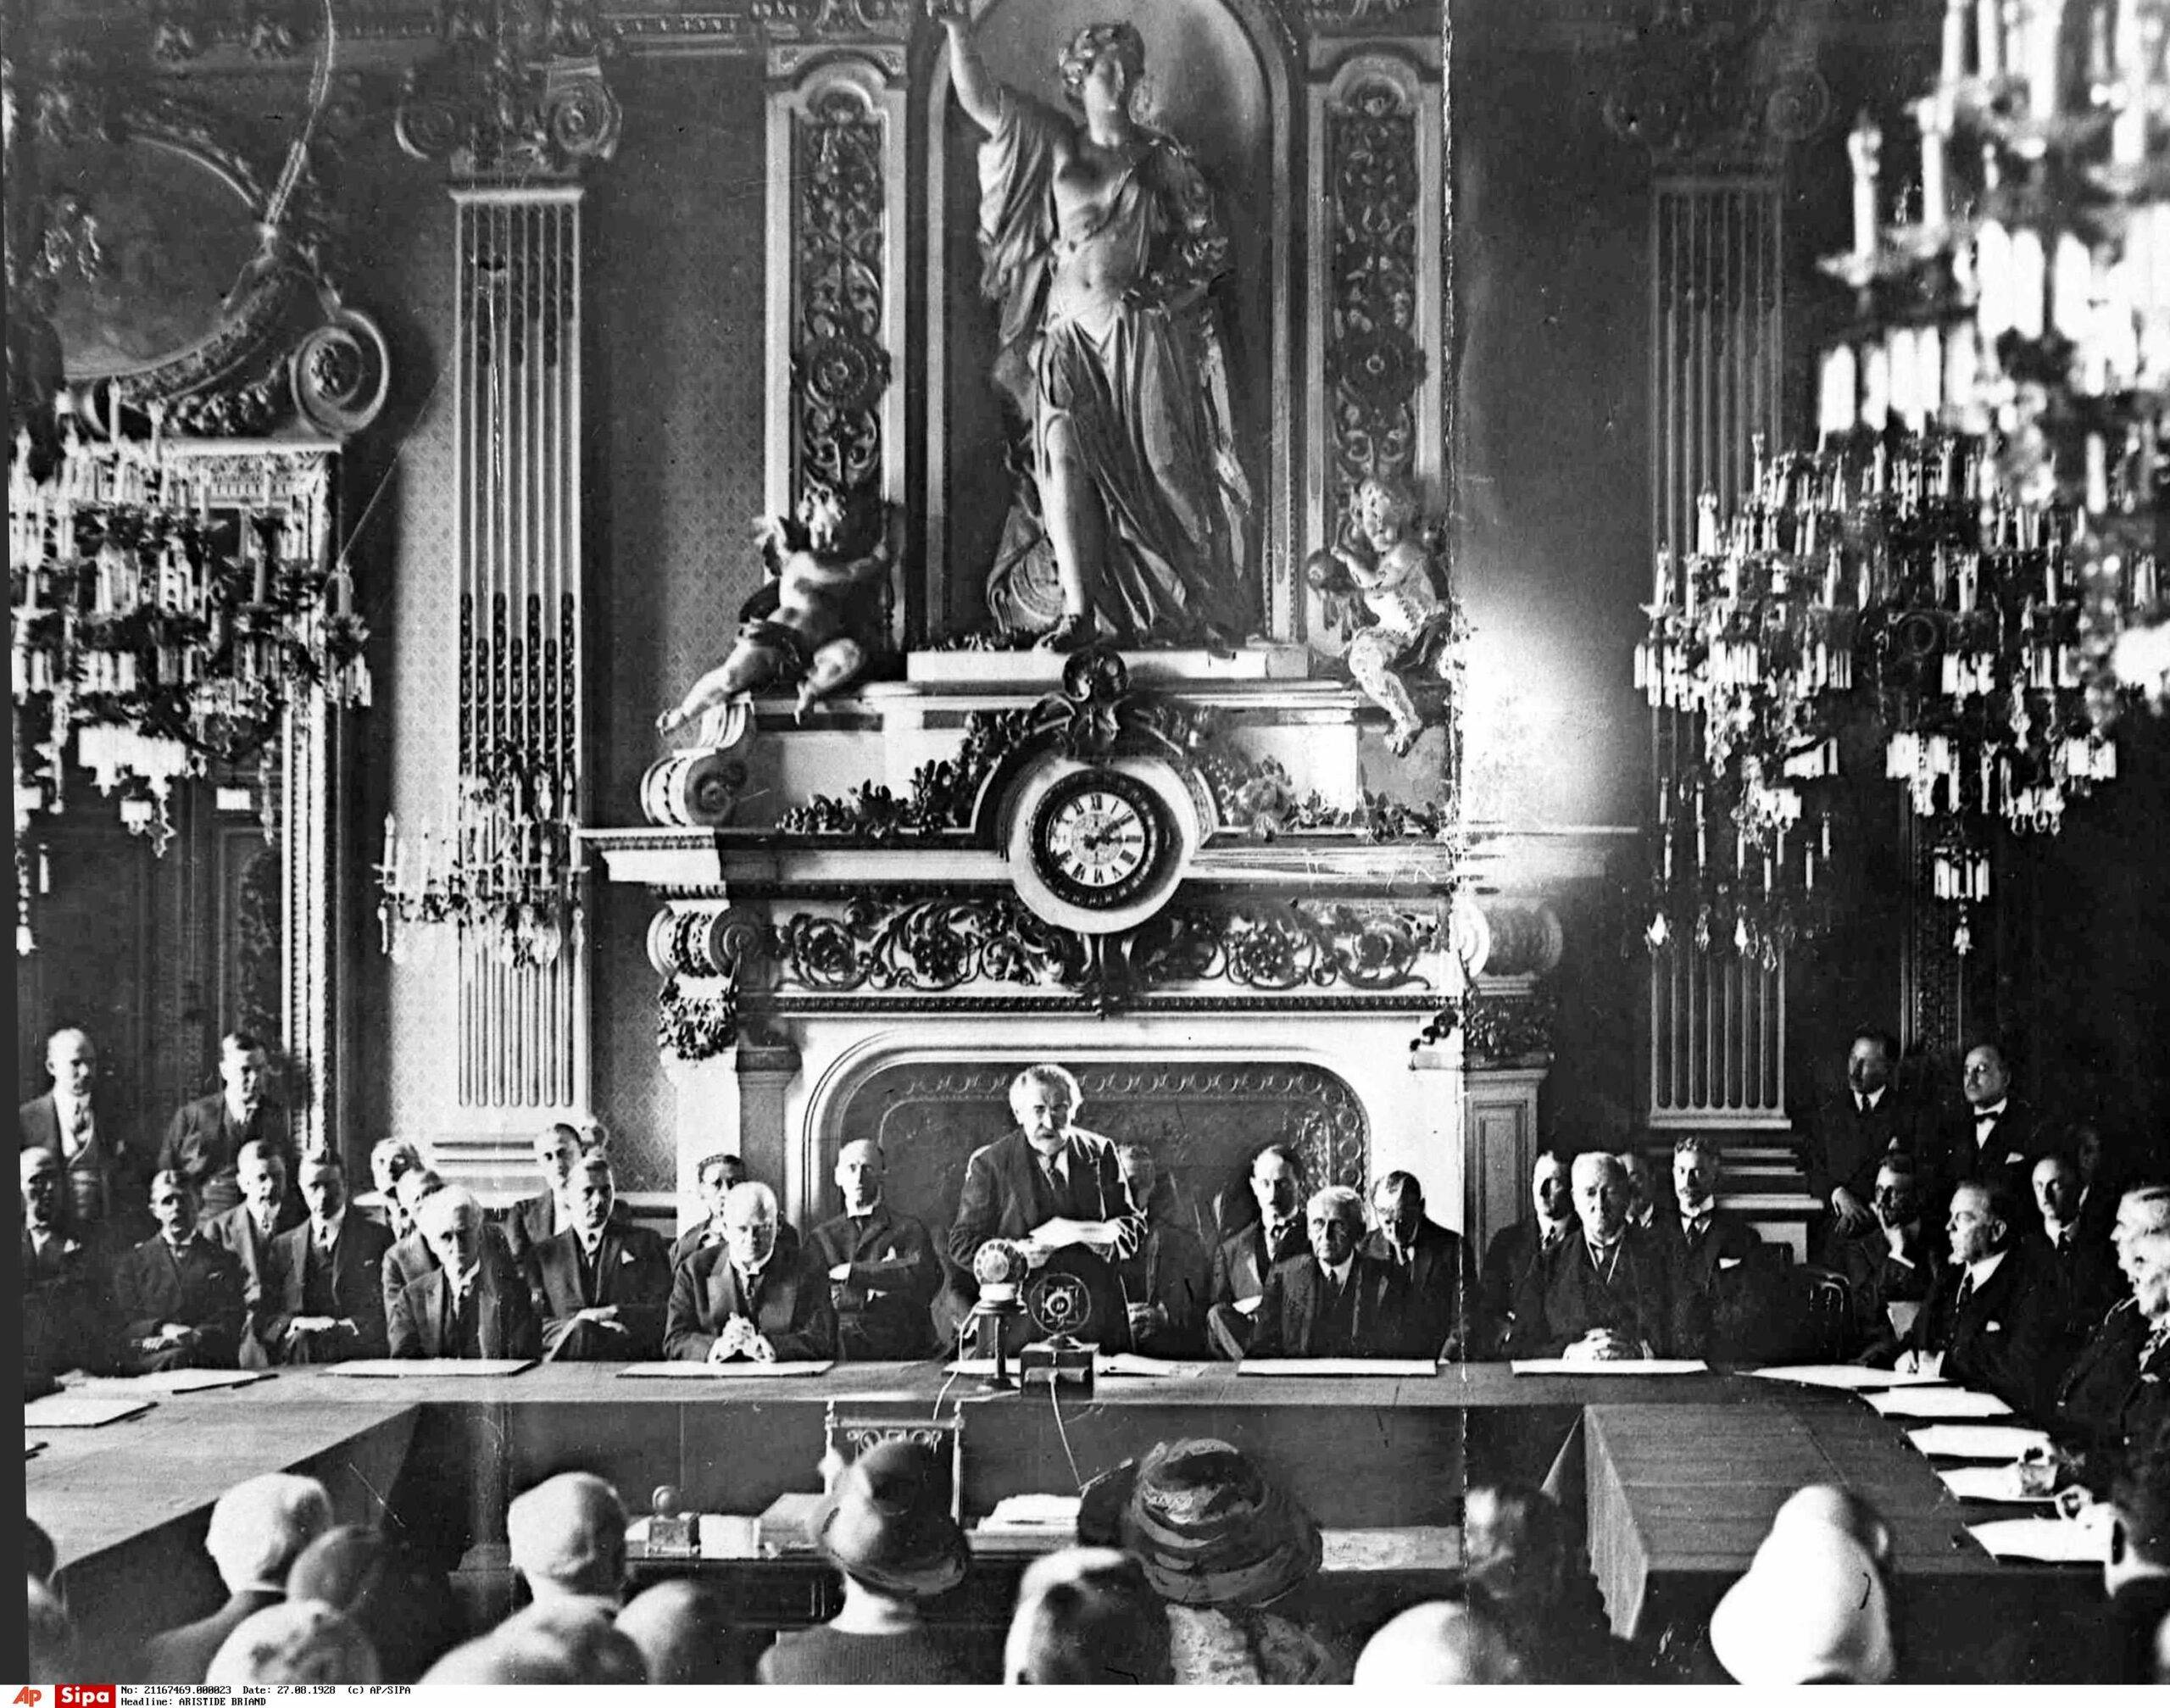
1204,1119
1376,356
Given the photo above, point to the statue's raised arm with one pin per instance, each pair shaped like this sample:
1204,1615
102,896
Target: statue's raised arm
978,92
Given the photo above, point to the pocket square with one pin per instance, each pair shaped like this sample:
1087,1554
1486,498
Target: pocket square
1993,1328
623,1258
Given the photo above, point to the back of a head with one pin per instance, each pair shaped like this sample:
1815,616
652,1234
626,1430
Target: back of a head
569,1534
295,1642
1811,1609
51,1635
679,1628
561,1641
1088,1615
1826,1503
1439,1643
386,1593
259,1528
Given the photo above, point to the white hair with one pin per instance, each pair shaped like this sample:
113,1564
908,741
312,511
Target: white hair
1051,1073
436,1212
1341,1201
259,1527
749,1192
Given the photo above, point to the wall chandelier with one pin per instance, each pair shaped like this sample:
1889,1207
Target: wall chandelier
505,874
157,630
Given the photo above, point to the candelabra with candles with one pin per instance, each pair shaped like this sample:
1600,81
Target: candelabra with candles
504,873
2027,296
153,636
1908,589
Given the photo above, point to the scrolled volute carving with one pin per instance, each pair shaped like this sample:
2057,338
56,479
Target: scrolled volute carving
516,89
1699,83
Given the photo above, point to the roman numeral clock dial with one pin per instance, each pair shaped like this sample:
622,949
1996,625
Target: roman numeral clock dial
1101,838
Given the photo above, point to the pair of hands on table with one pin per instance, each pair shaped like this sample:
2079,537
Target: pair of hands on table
299,1325
1604,1346
174,1334
740,1338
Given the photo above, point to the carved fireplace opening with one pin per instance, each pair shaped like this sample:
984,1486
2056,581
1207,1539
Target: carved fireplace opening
1204,1120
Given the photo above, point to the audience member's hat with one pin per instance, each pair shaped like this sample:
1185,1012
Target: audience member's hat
295,1642
1209,1528
887,1524
1439,1643
1810,1610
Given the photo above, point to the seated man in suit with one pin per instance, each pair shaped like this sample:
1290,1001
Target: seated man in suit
204,1140
1165,1280
102,1170
179,1296
1438,1279
2080,1255
1992,1135
527,1223
716,1174
748,1298
475,1302
1705,1245
2116,1396
1993,1322
1851,1135
1647,1207
410,1258
389,1160
1050,1186
323,1297
603,1282
68,1320
1516,1250
1245,1258
883,1272
266,1210
1332,1301
1603,1294
1896,1263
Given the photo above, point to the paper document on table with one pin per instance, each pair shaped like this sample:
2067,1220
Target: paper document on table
68,1410
2064,1541
2002,1441
684,1370
1608,1367
1939,1402
973,1366
190,1380
1134,1364
429,1366
1846,1376
1337,1366
1034,1512
1988,1483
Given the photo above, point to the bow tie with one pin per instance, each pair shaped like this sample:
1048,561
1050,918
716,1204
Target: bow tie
1983,1117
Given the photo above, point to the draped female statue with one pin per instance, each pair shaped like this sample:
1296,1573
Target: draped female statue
1101,247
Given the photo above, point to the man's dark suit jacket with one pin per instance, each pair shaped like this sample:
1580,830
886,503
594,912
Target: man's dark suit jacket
1005,1197
199,1287
1170,1270
882,1306
631,1271
106,1182
1509,1261
2005,1339
1563,1297
68,1311
1845,1144
423,1325
793,1312
2015,1146
1241,1262
1438,1288
1289,1324
1875,1279
203,1145
2104,1405
357,1292
1697,1264
2086,1273
184,1655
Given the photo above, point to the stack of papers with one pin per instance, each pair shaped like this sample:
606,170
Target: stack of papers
2082,1541
192,1381
73,1410
1988,1483
1608,1367
684,1369
1133,1364
1849,1376
1034,1512
1939,1402
1337,1366
2000,1441
429,1366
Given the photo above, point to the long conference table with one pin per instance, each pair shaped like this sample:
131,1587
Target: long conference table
1679,1476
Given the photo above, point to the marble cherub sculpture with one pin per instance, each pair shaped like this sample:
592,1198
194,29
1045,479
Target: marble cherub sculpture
1385,583
814,621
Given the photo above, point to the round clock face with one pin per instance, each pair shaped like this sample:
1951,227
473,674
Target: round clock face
1099,839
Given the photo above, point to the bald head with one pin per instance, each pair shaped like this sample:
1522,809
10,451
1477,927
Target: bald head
567,1537
861,1171
72,1060
749,1224
683,1633
1088,1615
259,1528
1439,1643
560,1642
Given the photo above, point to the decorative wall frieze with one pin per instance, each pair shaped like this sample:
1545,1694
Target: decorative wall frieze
1497,1030
1375,364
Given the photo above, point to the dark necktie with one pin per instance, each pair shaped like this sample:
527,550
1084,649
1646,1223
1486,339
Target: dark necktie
1959,1298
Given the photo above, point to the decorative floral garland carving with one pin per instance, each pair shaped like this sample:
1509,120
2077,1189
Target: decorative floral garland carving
1258,796
694,1028
1496,1029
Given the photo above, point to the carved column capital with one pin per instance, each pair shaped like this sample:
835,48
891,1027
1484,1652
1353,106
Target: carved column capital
516,90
